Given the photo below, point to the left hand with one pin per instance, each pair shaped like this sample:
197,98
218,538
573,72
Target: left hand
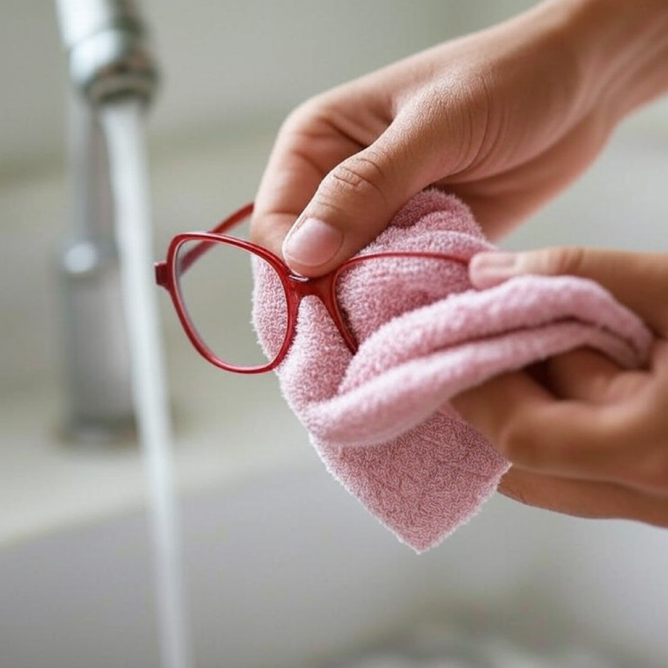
588,438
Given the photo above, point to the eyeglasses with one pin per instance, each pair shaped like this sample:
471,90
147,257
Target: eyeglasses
209,278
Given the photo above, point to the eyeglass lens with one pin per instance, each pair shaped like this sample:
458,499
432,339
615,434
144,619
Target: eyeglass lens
217,293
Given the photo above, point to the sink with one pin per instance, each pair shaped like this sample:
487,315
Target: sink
283,567
284,570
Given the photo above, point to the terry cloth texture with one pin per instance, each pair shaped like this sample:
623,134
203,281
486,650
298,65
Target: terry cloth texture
380,419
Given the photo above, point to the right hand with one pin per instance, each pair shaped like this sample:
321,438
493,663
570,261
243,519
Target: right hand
584,436
504,118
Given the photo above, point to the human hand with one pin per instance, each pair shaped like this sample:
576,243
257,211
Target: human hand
504,118
584,436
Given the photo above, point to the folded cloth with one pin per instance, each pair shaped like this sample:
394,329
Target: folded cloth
380,419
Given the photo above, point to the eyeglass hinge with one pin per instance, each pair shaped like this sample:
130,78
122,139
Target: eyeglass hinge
161,273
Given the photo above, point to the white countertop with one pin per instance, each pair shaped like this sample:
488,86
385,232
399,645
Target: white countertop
49,482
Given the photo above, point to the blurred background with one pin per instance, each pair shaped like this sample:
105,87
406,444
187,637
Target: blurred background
283,568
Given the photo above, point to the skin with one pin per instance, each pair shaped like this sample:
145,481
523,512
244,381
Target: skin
587,438
504,118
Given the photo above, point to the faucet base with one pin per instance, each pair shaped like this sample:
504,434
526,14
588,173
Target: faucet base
97,434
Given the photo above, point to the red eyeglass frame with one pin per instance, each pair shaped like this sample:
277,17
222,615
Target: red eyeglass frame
295,287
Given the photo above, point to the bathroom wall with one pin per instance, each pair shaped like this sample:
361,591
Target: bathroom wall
223,62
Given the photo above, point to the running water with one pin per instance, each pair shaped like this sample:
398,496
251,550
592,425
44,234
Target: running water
122,122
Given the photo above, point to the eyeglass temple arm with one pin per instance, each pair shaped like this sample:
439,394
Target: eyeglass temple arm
199,249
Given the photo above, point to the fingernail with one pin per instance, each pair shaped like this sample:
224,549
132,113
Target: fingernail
487,269
313,243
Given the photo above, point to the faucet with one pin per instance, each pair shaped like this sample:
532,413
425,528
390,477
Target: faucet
108,57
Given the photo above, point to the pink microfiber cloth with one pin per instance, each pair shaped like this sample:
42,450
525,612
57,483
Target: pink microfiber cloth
380,419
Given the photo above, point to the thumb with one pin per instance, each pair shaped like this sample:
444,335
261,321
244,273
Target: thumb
637,280
357,199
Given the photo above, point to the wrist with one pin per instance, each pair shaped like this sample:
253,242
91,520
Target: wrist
622,49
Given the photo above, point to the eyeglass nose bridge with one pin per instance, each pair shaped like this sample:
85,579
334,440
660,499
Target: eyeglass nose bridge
304,286
322,287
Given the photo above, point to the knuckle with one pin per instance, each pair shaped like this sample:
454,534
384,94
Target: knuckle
466,111
564,261
518,445
362,175
309,112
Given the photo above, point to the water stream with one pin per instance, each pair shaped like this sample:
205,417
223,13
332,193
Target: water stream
122,122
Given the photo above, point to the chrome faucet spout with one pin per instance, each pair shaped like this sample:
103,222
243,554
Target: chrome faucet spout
107,47
108,57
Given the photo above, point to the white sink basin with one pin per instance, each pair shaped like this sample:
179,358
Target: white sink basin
284,568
